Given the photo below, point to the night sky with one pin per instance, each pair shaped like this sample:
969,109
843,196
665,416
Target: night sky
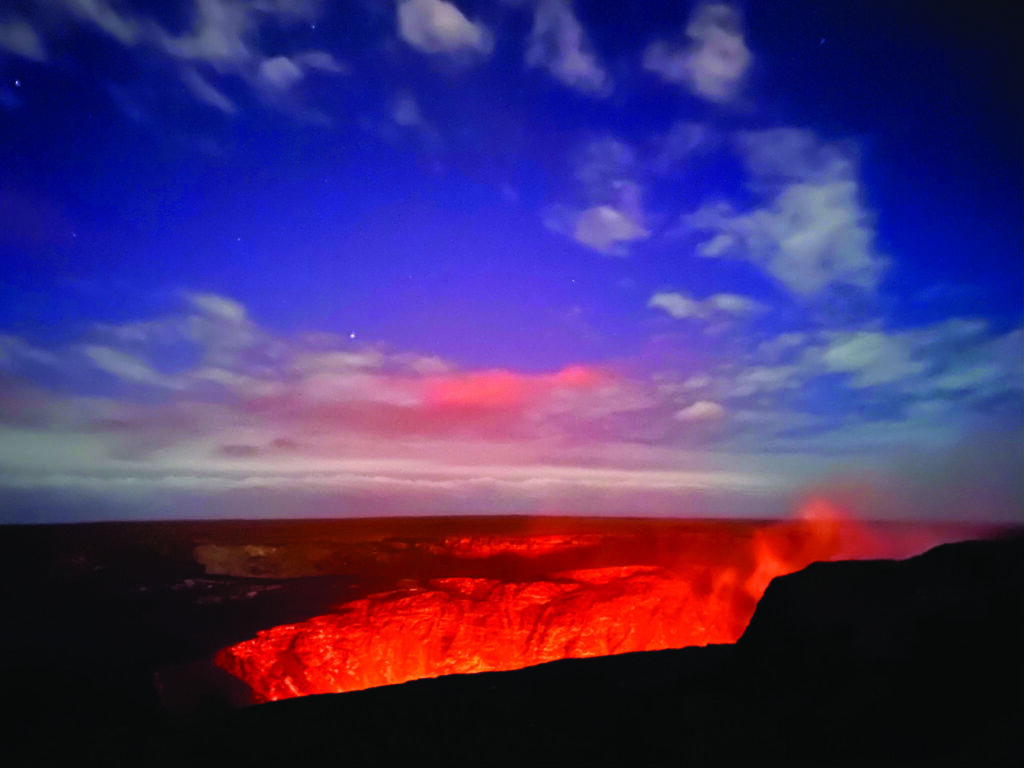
300,258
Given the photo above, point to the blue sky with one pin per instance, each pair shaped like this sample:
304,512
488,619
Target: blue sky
304,258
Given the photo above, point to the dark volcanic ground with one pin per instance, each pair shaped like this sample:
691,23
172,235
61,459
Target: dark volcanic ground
883,663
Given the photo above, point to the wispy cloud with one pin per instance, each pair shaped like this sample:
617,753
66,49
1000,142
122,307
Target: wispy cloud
612,214
203,90
18,37
682,306
714,62
223,40
813,231
125,367
558,43
701,410
243,407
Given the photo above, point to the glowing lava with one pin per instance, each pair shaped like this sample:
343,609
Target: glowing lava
459,625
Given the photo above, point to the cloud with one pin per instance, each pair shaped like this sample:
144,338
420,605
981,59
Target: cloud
125,367
120,26
719,245
503,389
436,26
214,329
685,139
968,362
955,364
678,305
15,351
603,227
716,60
19,38
221,36
405,110
613,215
320,61
777,156
217,306
204,398
682,306
223,39
872,358
702,410
280,72
733,304
203,90
812,232
333,361
858,393
558,43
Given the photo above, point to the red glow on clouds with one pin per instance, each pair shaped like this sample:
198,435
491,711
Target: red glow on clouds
503,389
488,389
701,592
389,403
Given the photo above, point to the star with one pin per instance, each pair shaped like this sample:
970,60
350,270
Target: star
17,83
352,335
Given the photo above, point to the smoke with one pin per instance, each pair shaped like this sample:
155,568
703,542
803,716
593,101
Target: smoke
980,479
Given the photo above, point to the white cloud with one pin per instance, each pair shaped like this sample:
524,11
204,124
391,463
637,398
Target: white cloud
203,90
779,155
716,60
125,367
123,28
957,357
280,72
613,217
813,232
873,358
321,61
15,350
222,35
759,379
717,246
436,26
700,381
734,304
222,40
18,37
702,410
970,362
682,306
558,43
678,305
968,378
217,306
603,227
337,361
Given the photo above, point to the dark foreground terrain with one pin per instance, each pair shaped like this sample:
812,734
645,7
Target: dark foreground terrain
914,662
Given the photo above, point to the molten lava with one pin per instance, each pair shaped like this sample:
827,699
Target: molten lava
462,625
441,626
